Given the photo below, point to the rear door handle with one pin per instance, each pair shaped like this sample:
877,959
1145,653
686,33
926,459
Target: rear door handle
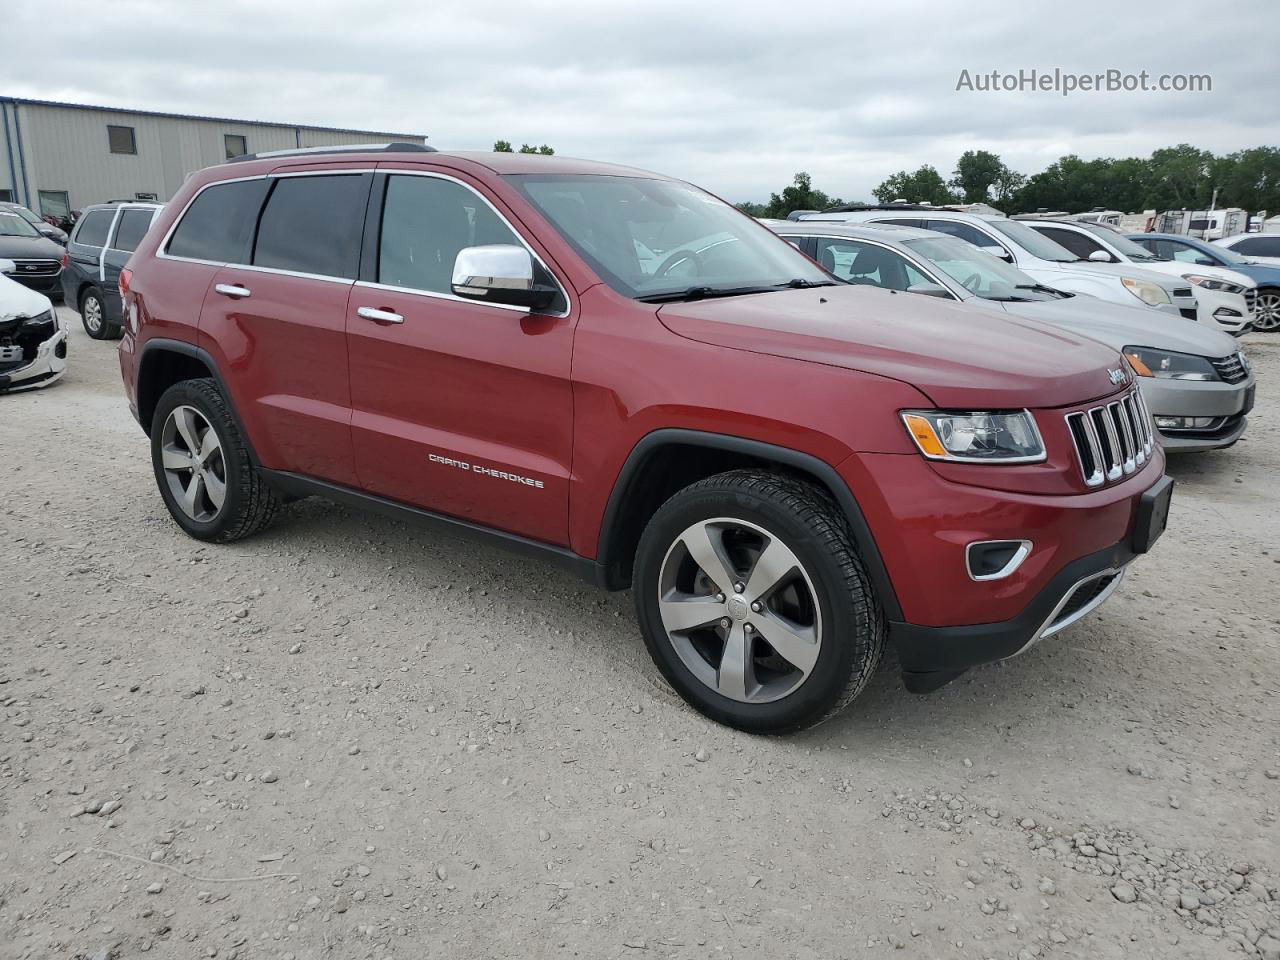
379,316
232,290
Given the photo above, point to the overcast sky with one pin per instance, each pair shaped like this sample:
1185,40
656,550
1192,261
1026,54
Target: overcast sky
735,97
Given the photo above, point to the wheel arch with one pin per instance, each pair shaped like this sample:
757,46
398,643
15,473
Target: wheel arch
162,363
668,460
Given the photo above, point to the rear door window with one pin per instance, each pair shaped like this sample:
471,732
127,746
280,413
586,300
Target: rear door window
314,225
964,231
218,225
92,231
131,228
867,263
1259,247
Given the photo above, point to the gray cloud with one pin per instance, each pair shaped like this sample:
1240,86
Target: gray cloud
736,97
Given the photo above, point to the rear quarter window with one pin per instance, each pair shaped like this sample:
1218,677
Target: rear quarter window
92,231
218,225
131,228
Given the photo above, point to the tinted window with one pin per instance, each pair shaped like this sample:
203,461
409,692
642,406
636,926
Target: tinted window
93,228
130,229
219,223
868,263
313,225
1077,243
425,222
904,222
1259,247
121,139
964,231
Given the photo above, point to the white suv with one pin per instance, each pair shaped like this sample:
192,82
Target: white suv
1226,298
1044,260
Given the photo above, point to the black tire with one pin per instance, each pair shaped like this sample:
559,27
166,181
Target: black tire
812,527
93,316
249,503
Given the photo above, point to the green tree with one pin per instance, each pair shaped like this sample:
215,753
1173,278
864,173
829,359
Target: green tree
751,209
502,146
924,186
1007,185
801,195
1248,178
976,172
1179,177
544,150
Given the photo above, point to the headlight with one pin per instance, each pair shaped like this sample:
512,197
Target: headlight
1009,437
1213,283
1152,294
46,317
1165,364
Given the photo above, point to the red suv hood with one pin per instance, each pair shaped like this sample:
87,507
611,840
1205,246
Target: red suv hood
960,356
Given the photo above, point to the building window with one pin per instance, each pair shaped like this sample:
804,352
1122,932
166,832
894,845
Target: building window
55,203
121,139
6,196
235,144
146,196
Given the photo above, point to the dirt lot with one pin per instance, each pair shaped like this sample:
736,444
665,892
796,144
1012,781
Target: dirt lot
348,738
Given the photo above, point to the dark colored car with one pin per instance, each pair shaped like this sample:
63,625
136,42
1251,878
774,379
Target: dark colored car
623,374
101,244
1177,246
43,227
37,259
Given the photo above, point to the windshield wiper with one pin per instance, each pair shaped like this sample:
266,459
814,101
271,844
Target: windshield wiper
701,293
802,284
1039,287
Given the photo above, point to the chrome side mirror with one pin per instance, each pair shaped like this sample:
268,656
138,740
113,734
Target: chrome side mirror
500,273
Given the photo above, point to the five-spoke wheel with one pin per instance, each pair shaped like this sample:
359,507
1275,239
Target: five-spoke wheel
191,455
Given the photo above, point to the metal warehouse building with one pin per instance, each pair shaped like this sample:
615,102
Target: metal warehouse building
64,156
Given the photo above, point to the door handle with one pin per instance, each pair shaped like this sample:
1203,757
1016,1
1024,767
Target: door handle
379,316
231,290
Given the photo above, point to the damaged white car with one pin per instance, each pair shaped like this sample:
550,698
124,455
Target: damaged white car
33,339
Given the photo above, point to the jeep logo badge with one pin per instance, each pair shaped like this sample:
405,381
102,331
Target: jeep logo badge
1117,375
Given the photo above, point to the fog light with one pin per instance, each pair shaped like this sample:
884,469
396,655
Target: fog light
1184,423
995,559
1227,312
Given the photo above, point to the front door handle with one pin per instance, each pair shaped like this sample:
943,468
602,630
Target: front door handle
232,290
379,316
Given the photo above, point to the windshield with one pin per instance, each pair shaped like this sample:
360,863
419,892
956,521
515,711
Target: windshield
24,213
1036,244
659,239
1121,243
12,225
979,273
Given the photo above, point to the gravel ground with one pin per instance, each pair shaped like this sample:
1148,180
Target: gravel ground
348,738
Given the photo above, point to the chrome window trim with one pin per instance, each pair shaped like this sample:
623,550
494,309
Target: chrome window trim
1021,554
163,254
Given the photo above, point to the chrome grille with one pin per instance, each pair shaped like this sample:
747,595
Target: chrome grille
36,268
1112,440
1230,369
1251,301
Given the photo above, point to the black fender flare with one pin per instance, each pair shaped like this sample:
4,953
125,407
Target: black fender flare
806,463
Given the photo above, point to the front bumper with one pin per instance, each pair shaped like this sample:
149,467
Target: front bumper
1228,403
48,364
1224,311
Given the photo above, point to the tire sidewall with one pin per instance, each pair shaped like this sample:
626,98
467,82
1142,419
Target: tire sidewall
843,642
193,394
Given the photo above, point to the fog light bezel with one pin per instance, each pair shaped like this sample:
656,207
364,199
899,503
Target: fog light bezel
1011,565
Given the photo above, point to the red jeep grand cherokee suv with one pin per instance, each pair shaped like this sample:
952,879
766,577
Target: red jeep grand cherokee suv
625,374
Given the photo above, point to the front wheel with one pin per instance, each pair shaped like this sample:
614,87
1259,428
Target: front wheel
754,604
1266,312
93,314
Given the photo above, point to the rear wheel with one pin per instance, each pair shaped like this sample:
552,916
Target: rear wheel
754,604
202,466
93,314
1266,313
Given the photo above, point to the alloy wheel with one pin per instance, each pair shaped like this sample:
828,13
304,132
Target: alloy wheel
193,463
93,314
740,610
1266,313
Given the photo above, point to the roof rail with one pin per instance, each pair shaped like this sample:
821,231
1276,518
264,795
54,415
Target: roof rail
851,207
337,148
